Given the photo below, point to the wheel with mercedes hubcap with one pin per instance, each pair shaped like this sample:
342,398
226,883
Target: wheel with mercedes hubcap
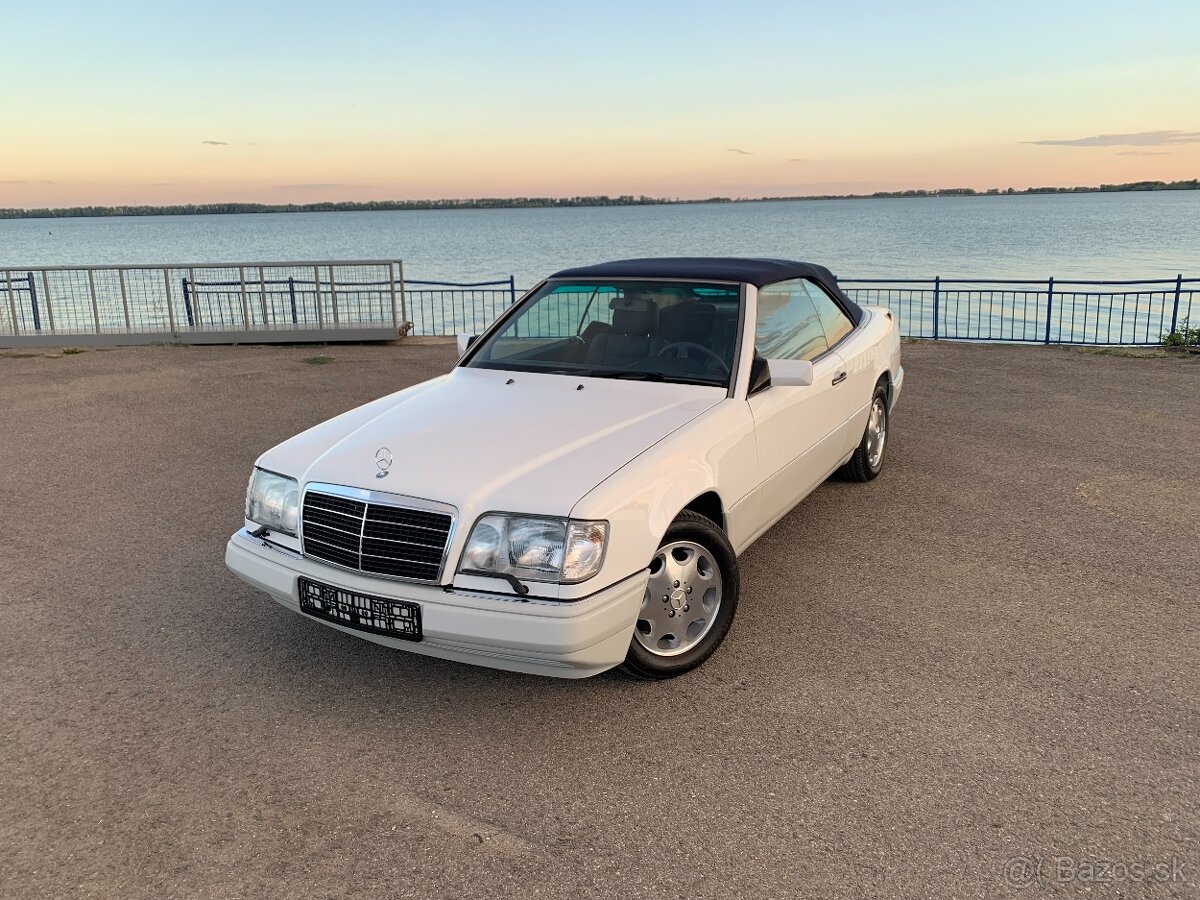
867,461
690,600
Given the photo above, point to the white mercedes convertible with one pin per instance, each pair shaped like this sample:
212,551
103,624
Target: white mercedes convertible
575,493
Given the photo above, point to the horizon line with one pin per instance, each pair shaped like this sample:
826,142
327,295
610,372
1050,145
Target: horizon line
234,207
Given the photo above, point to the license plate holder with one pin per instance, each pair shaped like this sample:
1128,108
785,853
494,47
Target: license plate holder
399,619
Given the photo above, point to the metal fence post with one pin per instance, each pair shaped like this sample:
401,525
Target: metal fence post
12,302
49,303
1175,309
937,302
37,317
245,299
1049,306
512,289
333,295
403,293
392,288
92,292
124,298
292,297
317,288
170,310
262,295
187,304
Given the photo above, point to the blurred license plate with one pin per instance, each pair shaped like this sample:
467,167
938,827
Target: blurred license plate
362,612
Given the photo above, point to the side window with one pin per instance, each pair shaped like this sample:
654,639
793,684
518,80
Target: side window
835,322
788,325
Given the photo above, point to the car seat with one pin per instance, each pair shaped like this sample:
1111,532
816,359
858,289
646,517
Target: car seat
633,337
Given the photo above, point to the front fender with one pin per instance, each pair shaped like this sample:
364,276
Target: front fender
715,452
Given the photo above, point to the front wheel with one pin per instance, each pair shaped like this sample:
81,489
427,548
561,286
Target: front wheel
690,600
867,461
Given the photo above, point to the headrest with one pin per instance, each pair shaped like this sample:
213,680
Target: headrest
635,302
634,315
688,321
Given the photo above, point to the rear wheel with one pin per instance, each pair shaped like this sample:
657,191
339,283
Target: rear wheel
690,600
867,461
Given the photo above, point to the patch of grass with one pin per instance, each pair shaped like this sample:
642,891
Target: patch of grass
1125,352
320,360
20,355
1182,338
72,351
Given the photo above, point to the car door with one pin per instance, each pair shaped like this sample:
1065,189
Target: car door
798,429
852,345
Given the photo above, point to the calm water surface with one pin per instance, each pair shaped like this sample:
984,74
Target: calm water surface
1100,236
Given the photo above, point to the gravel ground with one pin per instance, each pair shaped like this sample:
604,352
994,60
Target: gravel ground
990,652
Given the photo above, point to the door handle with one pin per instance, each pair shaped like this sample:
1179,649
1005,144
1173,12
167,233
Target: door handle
839,378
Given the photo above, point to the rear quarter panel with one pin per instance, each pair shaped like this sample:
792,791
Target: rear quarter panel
871,350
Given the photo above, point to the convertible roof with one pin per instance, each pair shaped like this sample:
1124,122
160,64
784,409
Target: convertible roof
756,271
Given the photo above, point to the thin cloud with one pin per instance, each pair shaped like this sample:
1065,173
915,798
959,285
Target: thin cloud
736,150
26,181
796,159
1135,139
313,185
1142,153
215,143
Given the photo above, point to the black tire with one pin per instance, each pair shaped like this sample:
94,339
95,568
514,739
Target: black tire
694,528
859,467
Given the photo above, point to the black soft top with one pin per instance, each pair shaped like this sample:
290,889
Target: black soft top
755,271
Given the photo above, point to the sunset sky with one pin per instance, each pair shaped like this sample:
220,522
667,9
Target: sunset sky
295,102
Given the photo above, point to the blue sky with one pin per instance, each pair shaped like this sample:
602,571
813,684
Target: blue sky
300,101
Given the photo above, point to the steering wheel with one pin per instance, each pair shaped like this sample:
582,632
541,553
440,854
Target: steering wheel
682,348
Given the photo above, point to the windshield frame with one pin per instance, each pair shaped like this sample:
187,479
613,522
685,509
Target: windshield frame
502,321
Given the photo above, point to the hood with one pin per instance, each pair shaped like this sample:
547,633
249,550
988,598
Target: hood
485,440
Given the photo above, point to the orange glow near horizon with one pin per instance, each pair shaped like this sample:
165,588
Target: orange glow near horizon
255,175
156,107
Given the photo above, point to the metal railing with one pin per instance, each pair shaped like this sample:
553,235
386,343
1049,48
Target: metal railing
451,307
330,300
1126,313
371,300
202,301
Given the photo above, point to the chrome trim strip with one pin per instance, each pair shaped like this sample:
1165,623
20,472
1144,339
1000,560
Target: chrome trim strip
337,547
401,524
405,543
337,512
379,498
339,530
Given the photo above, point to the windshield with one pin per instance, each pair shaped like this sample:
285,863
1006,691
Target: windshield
675,331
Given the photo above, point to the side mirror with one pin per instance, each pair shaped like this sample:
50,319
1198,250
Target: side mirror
760,375
465,341
791,372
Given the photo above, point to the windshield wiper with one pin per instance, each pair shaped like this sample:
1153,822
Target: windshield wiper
633,375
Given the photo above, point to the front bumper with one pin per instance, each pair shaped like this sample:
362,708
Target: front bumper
565,640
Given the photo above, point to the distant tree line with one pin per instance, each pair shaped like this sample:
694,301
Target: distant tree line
1191,185
192,209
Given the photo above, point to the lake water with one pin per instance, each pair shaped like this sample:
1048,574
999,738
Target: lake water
1092,236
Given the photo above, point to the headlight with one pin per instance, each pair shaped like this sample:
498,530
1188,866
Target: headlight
273,501
535,548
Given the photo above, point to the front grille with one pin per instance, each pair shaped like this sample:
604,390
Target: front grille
376,538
